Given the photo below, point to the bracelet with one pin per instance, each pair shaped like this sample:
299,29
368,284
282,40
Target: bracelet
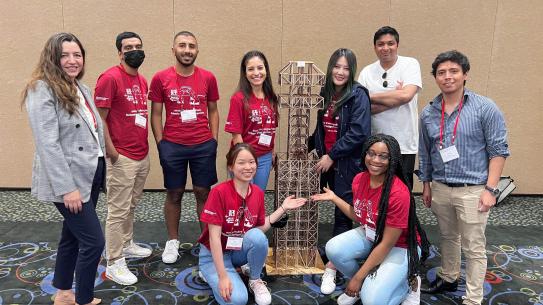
284,211
269,219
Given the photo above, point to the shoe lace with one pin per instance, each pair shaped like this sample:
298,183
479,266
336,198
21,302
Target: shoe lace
132,246
123,269
328,276
170,247
259,287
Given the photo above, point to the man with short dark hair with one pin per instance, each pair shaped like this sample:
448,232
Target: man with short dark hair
121,98
462,151
189,136
394,82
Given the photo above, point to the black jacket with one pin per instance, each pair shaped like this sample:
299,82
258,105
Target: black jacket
353,130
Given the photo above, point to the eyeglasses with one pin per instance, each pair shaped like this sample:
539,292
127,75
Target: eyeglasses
384,76
382,157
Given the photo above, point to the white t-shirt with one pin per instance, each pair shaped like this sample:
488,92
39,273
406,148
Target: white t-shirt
400,122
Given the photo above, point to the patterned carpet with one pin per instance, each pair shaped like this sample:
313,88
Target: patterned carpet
29,232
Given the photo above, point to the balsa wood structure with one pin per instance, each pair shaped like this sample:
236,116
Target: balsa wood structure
295,245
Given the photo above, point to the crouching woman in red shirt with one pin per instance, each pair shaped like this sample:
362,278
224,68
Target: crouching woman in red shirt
389,237
235,219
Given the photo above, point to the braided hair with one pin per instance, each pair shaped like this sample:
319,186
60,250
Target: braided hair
395,169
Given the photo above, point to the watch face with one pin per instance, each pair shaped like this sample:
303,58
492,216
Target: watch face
493,191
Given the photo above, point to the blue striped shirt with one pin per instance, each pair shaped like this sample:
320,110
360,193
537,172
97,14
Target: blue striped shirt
481,135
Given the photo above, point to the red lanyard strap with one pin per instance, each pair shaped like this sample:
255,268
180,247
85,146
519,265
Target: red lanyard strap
442,123
89,109
92,113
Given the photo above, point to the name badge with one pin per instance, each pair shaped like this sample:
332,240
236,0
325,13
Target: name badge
141,121
234,243
188,115
370,233
264,139
448,154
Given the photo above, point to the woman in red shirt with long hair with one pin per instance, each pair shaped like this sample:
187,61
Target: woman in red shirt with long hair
235,220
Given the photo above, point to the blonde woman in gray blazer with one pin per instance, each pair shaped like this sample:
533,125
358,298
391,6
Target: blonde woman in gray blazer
68,167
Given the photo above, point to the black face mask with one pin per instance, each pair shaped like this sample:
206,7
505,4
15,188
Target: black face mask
134,58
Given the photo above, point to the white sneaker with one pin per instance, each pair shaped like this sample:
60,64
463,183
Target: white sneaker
171,251
120,274
260,291
328,281
413,297
201,276
346,300
135,251
245,270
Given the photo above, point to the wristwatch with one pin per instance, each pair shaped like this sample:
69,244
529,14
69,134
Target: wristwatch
494,191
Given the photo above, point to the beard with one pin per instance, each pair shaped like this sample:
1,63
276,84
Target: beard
179,58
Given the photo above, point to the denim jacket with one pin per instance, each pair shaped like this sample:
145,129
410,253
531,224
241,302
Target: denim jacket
353,129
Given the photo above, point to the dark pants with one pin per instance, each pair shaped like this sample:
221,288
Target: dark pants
81,244
342,223
337,184
408,165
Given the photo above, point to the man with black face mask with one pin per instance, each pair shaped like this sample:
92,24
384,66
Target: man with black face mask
121,98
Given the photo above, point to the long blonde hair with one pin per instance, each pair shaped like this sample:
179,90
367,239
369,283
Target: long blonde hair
50,71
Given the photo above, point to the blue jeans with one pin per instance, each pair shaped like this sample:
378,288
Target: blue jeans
389,285
253,252
263,171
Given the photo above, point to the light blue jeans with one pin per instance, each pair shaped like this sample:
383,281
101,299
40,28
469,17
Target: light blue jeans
389,285
263,171
253,252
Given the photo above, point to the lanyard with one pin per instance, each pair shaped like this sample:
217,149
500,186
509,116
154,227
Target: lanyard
366,206
240,217
92,113
442,123
89,109
126,82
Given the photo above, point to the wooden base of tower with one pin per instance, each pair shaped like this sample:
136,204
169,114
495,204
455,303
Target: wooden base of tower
294,262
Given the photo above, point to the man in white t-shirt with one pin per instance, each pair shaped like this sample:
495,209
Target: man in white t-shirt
394,82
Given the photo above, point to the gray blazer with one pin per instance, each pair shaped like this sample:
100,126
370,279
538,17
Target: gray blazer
66,154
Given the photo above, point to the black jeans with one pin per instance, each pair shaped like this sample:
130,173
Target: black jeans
337,184
81,244
408,166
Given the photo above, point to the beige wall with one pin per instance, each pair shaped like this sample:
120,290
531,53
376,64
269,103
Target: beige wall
500,37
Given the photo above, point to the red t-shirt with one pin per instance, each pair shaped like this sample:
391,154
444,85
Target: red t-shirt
367,199
251,123
125,95
224,208
185,100
330,124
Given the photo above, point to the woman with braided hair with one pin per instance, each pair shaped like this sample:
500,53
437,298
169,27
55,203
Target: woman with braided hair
389,238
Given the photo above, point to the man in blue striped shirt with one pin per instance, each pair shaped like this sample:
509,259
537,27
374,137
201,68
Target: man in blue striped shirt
462,151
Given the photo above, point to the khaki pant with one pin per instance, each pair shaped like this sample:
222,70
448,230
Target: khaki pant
125,180
462,227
